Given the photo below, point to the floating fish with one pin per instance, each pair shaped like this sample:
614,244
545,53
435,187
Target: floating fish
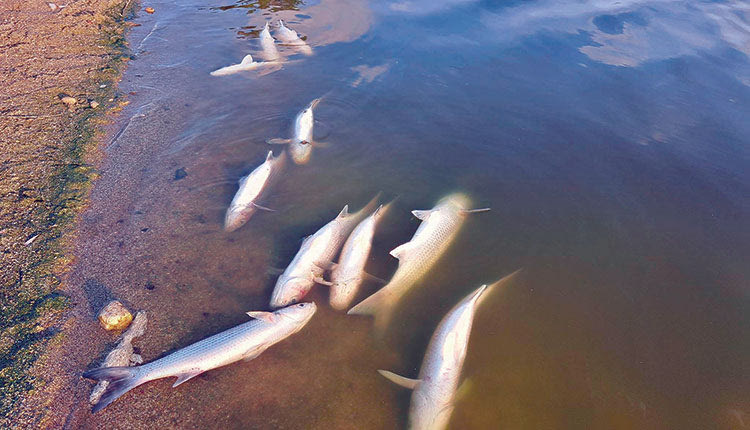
289,37
315,257
439,228
300,146
244,204
246,64
267,43
432,401
245,341
349,273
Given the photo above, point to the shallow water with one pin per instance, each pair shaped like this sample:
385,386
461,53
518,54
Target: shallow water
609,138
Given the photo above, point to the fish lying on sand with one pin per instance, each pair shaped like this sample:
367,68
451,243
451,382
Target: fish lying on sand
349,274
300,145
439,228
432,401
246,64
268,45
245,341
289,37
123,354
244,204
315,256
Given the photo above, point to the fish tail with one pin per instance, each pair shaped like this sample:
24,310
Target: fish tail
121,380
380,305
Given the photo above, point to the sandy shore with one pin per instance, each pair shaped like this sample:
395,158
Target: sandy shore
59,67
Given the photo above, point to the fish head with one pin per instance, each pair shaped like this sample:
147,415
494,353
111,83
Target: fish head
299,312
291,291
237,216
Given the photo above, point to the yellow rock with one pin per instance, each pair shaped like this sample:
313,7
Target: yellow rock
115,316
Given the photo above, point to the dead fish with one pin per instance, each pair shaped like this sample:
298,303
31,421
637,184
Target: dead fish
123,354
439,228
432,401
245,341
289,37
244,204
246,64
268,44
349,274
315,257
300,145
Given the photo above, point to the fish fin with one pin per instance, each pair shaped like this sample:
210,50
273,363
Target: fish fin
269,156
402,381
121,380
378,305
422,214
278,141
274,271
344,212
247,59
184,377
473,211
268,317
382,210
399,251
242,180
463,390
373,278
250,355
319,144
262,207
497,284
320,280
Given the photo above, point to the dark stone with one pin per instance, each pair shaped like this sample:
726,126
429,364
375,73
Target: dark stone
180,174
150,286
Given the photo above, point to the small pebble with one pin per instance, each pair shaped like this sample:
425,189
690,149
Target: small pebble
68,100
150,10
180,174
115,316
94,104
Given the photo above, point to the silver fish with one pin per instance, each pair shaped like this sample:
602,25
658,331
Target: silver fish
432,401
287,36
246,64
252,187
268,45
349,274
301,143
440,226
315,256
245,341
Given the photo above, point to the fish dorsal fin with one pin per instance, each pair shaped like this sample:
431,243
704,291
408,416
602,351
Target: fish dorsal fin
248,59
183,377
269,317
399,251
243,179
400,380
344,212
422,214
269,157
463,390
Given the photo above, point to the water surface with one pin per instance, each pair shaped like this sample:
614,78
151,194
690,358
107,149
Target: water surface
609,138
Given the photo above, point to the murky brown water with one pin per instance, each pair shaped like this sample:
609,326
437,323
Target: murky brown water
611,146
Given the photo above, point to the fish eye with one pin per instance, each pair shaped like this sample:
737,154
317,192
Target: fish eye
301,305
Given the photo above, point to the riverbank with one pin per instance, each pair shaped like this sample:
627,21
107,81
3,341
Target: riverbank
60,66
